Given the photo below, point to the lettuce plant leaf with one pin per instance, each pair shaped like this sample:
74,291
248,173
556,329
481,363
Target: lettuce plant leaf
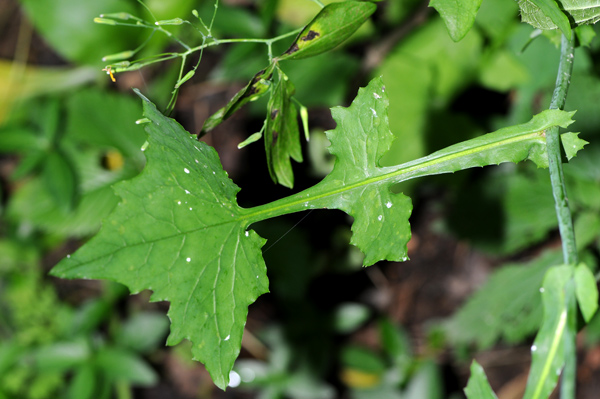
179,231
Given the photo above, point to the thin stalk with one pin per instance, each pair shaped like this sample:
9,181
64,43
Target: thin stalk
561,203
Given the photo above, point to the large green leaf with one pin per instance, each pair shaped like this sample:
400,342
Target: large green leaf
458,16
179,231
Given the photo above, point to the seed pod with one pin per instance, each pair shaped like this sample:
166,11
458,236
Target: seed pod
335,23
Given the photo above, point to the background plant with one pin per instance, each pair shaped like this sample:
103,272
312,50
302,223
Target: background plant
434,99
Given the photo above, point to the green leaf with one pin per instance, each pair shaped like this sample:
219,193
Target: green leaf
586,291
507,306
179,232
258,86
478,386
79,39
121,365
572,144
60,180
458,16
282,139
585,35
545,14
547,351
335,23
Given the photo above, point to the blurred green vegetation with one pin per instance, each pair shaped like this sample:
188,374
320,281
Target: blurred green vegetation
67,134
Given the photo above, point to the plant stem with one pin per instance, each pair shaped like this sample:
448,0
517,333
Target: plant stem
561,203
565,222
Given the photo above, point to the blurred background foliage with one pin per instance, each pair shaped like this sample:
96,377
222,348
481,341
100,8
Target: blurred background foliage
482,239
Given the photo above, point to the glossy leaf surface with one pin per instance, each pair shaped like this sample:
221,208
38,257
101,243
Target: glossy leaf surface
179,231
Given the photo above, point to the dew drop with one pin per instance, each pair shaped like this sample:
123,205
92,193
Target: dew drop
227,337
533,348
68,256
178,202
247,234
188,259
186,170
542,290
388,204
380,217
234,379
190,208
187,192
196,161
214,172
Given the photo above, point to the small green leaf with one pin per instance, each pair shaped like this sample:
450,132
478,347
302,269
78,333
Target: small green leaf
252,139
60,179
586,291
572,144
121,365
282,138
585,35
545,14
335,23
258,86
478,386
547,351
458,15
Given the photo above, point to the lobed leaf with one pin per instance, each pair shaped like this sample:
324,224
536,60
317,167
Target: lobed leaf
179,231
458,16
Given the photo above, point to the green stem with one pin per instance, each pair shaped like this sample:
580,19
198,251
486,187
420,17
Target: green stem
444,161
561,203
565,222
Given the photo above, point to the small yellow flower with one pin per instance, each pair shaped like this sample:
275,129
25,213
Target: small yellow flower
110,72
